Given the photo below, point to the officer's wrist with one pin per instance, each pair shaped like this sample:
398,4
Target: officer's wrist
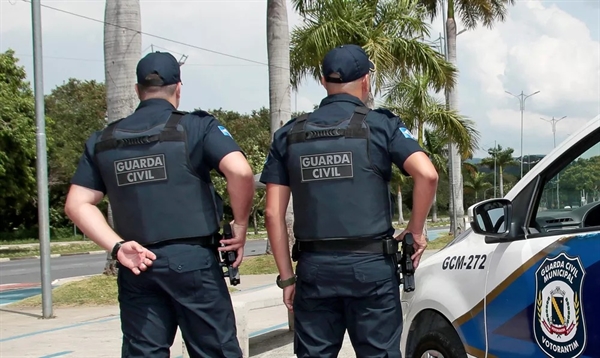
283,283
414,231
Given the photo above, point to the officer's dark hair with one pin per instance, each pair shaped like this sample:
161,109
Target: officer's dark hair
156,91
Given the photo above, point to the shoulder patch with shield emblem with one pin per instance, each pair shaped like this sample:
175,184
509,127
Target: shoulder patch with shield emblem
558,322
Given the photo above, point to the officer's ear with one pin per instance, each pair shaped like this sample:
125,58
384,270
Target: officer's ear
178,90
137,91
366,81
323,81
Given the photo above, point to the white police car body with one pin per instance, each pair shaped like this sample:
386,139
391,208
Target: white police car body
529,289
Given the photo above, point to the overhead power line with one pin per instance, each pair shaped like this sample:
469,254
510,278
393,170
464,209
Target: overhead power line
99,60
158,37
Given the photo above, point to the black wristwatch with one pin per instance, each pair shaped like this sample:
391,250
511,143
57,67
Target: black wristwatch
115,250
285,283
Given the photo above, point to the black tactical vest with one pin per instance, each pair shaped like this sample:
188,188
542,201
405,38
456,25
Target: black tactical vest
337,192
154,192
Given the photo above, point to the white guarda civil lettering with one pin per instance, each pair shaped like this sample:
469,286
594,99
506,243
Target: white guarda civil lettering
140,170
139,163
326,159
326,166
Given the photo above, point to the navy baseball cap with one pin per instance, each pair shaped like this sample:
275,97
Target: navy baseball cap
161,63
346,63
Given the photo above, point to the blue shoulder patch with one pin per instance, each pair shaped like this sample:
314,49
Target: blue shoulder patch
224,131
407,133
385,112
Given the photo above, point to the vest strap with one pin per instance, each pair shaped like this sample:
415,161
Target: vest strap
298,133
168,134
355,129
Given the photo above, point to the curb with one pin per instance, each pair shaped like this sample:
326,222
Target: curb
5,259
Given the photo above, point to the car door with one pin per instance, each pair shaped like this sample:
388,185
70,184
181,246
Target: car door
543,286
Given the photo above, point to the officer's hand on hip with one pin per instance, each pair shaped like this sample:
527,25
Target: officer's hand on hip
420,243
236,243
288,296
135,257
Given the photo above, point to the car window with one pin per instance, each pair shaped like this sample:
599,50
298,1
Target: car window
571,198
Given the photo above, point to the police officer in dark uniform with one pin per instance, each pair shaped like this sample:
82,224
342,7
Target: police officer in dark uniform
337,163
154,166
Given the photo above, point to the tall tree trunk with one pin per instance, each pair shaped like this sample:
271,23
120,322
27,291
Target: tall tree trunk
400,213
278,53
455,160
255,221
122,51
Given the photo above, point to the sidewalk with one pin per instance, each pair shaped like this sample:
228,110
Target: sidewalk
96,332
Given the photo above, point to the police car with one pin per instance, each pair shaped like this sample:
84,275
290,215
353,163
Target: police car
524,279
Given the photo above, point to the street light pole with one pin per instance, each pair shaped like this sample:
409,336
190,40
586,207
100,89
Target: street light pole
495,170
522,97
42,160
553,121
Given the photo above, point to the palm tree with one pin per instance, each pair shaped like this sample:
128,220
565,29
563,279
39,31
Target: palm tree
435,146
504,158
471,13
398,181
388,30
122,51
278,44
476,183
411,100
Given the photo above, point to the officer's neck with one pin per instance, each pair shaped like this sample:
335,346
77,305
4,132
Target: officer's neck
173,101
357,94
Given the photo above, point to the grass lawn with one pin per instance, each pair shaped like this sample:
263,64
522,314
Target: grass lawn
251,236
260,265
37,241
440,242
54,249
98,290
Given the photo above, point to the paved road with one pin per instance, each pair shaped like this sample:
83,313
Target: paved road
26,271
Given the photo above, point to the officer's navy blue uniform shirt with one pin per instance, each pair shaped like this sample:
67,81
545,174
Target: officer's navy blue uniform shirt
390,140
207,143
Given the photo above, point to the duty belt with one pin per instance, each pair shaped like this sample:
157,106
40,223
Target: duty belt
375,246
211,240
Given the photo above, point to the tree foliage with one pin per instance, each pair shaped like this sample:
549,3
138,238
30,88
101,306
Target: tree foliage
390,31
78,108
17,143
582,174
411,99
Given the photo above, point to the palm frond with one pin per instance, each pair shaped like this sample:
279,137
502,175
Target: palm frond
390,31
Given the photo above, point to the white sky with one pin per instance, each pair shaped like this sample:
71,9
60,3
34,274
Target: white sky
547,46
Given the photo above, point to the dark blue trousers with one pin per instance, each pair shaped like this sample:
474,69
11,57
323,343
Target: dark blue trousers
184,287
346,291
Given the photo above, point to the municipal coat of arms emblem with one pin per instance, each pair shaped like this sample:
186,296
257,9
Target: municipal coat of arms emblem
558,322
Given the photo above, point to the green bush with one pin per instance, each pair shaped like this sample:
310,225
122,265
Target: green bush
56,234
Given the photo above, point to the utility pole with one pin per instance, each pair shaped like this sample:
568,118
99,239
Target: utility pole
553,121
522,97
42,160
